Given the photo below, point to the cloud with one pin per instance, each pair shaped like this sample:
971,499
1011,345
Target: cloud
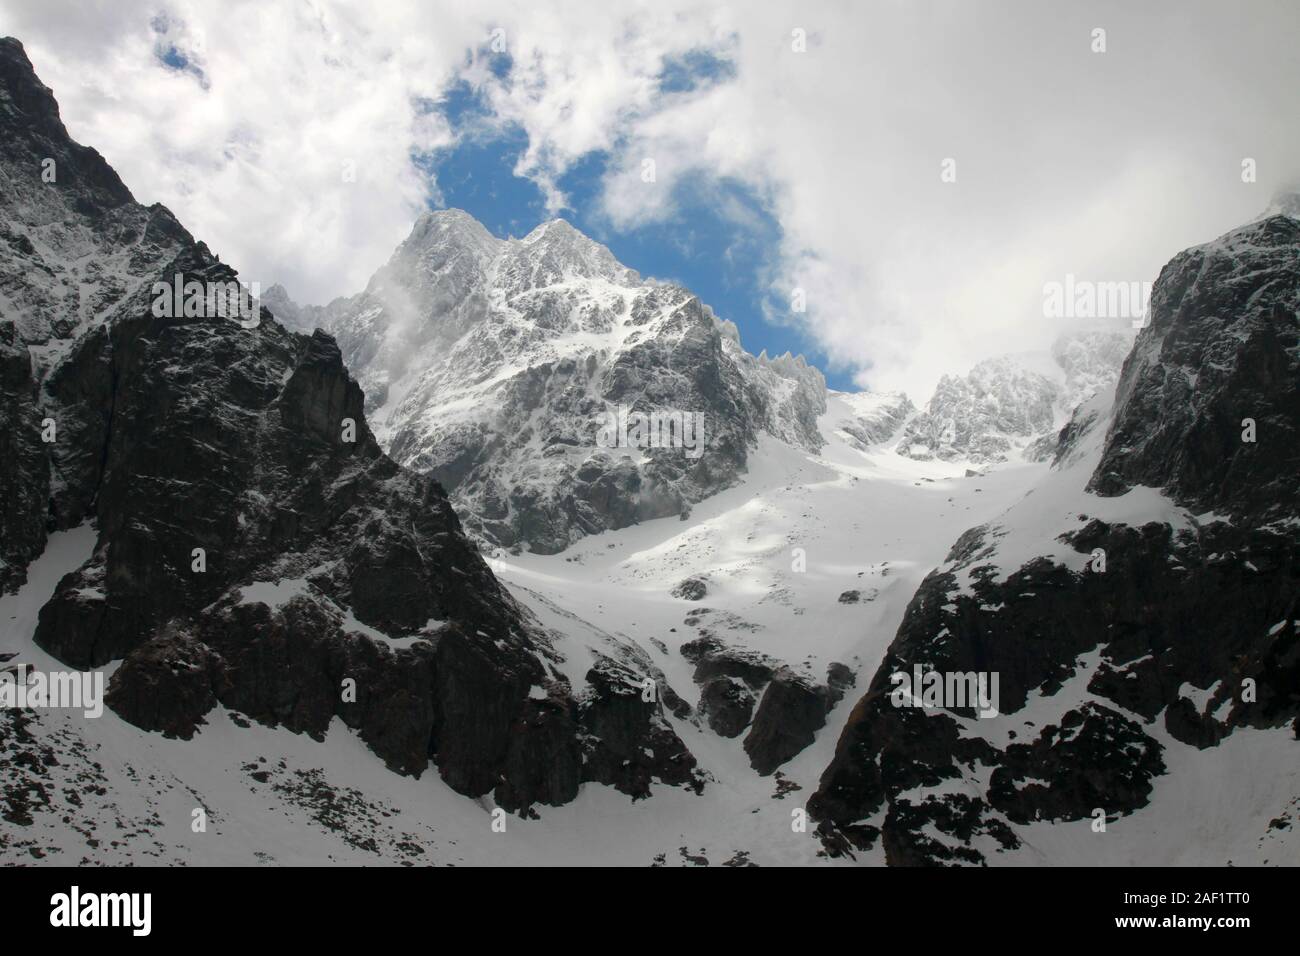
1102,165
1068,161
281,134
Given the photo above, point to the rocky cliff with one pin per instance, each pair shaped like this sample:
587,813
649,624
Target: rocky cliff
1140,607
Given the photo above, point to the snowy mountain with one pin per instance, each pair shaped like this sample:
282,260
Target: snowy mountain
1013,405
492,364
302,645
242,543
1140,609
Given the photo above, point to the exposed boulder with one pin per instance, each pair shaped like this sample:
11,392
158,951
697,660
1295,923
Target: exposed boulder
790,713
631,742
168,685
691,589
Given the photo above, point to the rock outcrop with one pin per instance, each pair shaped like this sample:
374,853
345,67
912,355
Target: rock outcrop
781,708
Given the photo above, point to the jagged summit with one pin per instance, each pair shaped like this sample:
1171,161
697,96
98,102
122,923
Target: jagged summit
554,229
75,242
491,363
488,362
31,117
434,224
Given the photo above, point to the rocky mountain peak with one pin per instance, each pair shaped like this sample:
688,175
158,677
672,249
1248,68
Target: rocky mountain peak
554,230
554,253
75,243
492,363
438,227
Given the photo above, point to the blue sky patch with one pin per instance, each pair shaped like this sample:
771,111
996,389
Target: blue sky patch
720,241
694,70
170,54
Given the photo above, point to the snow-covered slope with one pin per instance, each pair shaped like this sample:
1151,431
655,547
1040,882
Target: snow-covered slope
811,560
777,555
876,417
492,363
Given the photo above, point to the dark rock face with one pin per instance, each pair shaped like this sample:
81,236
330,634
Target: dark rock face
728,704
1221,348
790,711
632,742
1210,610
712,658
790,714
542,750
1095,758
24,463
256,548
93,242
232,441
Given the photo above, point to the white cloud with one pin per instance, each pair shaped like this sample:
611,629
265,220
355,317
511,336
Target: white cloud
255,157
1102,165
